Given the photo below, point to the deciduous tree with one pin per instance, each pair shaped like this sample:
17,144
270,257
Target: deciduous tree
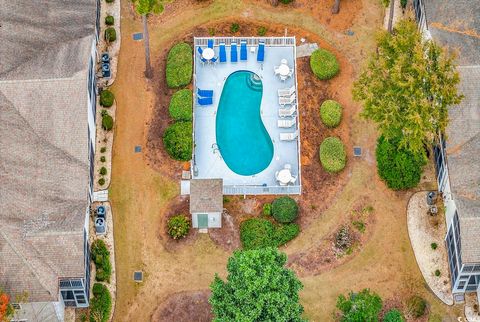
407,87
363,306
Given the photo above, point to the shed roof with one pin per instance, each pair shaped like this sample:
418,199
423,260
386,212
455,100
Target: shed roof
206,195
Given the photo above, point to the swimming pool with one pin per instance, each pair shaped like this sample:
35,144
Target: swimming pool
242,139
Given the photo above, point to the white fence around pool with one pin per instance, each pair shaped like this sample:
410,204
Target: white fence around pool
251,41
261,190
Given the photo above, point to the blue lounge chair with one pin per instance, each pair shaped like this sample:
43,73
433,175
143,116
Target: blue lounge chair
233,53
243,50
205,100
210,43
200,50
223,53
204,92
261,52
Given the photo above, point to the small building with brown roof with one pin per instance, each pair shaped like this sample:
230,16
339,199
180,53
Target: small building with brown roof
206,203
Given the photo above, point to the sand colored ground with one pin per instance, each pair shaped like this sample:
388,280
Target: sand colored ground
143,192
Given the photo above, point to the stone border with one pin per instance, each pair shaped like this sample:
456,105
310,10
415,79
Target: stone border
104,139
428,259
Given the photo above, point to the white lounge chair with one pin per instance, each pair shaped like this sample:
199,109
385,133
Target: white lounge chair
285,112
288,136
287,100
286,91
285,123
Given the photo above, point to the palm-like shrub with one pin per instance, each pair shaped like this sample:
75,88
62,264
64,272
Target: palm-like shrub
284,210
180,108
332,155
331,113
324,64
178,141
178,226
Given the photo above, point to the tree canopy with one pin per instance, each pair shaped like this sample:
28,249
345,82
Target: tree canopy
363,306
407,86
145,7
258,288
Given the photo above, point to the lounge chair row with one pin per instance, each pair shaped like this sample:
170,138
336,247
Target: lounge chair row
243,52
204,96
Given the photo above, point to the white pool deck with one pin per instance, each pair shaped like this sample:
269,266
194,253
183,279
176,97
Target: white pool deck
207,161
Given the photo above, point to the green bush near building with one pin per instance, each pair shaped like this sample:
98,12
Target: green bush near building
101,257
107,122
261,233
331,113
178,141
178,226
109,20
332,155
324,64
106,98
284,210
179,65
110,34
180,108
100,303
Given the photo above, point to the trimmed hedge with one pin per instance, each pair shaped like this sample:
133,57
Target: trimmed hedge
110,34
393,315
109,20
106,98
178,226
100,304
178,141
101,257
261,233
399,168
180,108
179,65
331,113
107,122
324,64
332,155
284,209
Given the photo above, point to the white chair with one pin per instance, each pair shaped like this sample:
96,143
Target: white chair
276,70
286,91
290,136
287,100
285,112
293,180
285,124
287,166
283,78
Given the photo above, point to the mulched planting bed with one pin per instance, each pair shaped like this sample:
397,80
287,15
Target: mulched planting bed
185,307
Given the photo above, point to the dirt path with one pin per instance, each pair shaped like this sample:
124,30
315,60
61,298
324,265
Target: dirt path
140,195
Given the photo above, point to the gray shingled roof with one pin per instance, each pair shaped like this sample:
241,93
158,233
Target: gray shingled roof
206,195
43,142
456,24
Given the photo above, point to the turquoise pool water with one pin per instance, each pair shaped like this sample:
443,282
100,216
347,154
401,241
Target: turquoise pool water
242,139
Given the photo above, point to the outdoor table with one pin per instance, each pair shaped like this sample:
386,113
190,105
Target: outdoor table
284,176
284,70
208,53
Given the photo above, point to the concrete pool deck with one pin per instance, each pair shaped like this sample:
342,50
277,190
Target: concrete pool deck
207,160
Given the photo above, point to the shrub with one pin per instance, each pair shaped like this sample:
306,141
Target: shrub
179,65
103,149
403,3
110,34
362,306
262,31
399,168
286,1
437,273
343,238
393,315
211,31
101,181
261,233
109,1
109,20
284,210
178,226
106,98
235,27
416,306
180,108
285,233
102,159
331,113
360,225
324,64
267,209
107,122
101,257
178,140
100,304
103,171
332,155
434,246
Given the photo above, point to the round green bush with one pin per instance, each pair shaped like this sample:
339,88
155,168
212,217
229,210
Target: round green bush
180,108
103,149
399,168
178,226
102,159
437,273
416,306
257,233
235,27
284,209
331,113
110,34
109,20
262,31
434,246
393,315
179,65
324,64
101,181
332,155
178,141
107,122
106,98
103,171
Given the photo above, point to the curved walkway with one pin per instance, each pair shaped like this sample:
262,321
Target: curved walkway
424,230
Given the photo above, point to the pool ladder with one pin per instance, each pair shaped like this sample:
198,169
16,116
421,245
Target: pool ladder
216,150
